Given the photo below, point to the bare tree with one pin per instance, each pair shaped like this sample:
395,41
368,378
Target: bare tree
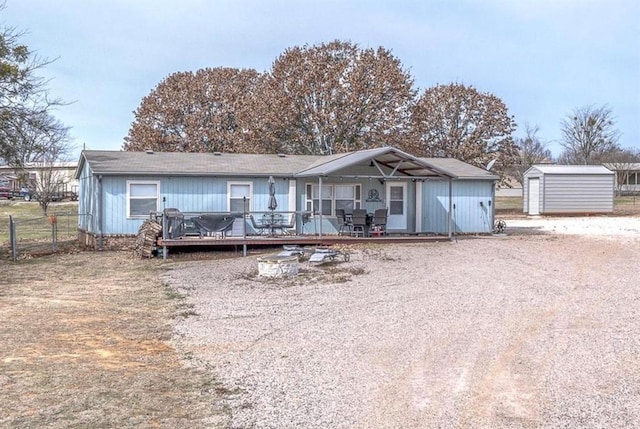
205,111
530,151
24,96
588,134
335,97
50,146
460,122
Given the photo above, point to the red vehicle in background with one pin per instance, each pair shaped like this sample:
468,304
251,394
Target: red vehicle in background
6,193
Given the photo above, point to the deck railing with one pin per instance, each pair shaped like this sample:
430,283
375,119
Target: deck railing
216,224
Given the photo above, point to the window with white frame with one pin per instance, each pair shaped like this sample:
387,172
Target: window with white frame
632,179
396,200
239,193
143,197
338,196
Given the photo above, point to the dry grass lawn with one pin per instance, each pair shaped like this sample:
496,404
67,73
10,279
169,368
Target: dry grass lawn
85,342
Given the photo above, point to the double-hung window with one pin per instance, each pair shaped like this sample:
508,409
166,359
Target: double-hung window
239,194
346,197
143,197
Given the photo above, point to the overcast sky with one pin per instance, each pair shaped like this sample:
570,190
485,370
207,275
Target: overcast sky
543,58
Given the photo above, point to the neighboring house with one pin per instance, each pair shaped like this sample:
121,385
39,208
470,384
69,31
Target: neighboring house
627,177
119,189
63,174
564,189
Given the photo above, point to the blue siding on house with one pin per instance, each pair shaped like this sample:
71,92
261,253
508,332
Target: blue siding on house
468,215
197,194
209,194
87,200
329,223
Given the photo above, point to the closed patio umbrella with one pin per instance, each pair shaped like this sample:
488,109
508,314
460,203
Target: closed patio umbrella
273,203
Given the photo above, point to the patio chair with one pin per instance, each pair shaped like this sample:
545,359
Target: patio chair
174,223
258,227
379,222
283,226
345,222
306,218
359,220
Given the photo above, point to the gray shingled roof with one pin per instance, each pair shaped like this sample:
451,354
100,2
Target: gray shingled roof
194,164
236,164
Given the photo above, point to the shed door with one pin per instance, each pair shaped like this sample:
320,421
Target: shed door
534,196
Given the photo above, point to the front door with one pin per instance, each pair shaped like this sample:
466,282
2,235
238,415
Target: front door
397,205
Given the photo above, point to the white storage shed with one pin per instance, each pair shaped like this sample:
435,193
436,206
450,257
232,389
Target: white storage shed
566,189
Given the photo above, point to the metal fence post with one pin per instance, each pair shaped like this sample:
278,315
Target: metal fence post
54,232
12,238
55,237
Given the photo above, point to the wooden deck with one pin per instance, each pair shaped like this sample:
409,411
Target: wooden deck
301,240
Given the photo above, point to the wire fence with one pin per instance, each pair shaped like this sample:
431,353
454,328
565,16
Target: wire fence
33,236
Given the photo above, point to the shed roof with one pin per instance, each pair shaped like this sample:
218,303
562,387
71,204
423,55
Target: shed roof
571,169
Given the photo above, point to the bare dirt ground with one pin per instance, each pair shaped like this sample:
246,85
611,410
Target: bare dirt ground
85,342
532,329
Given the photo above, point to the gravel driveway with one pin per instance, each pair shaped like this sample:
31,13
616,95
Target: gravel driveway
535,330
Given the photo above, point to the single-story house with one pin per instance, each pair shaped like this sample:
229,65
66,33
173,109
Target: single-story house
564,189
627,176
62,175
118,190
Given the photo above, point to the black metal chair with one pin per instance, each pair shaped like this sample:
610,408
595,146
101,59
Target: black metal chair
306,218
379,222
174,222
345,221
359,220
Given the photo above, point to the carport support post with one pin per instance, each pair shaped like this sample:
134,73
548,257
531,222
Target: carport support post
100,235
450,206
244,226
164,235
320,204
